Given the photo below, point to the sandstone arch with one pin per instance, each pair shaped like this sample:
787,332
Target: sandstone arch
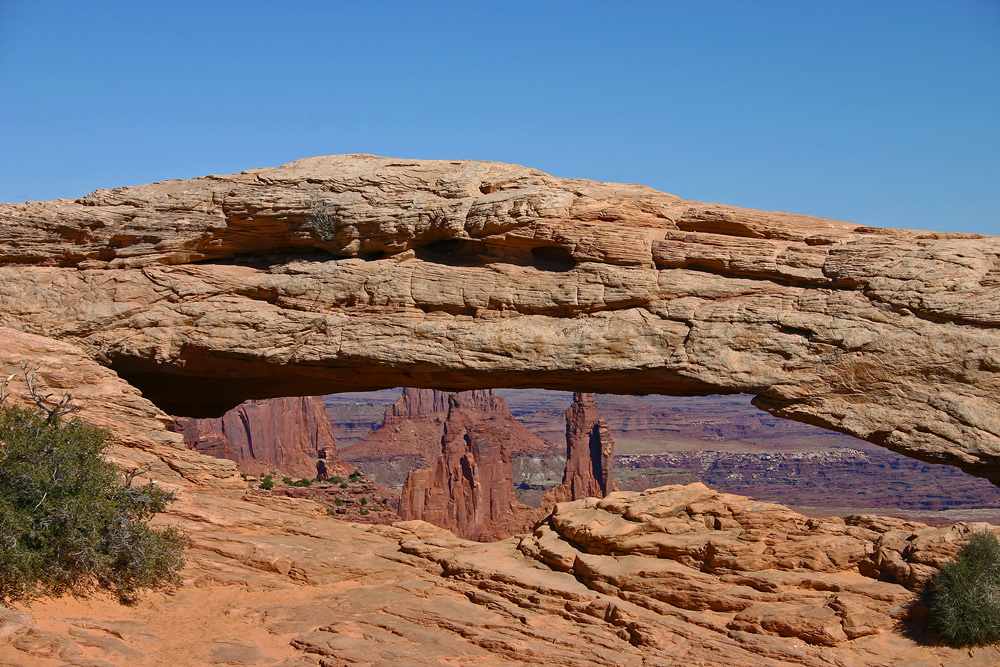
461,275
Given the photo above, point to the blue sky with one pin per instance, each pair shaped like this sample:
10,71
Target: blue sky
879,112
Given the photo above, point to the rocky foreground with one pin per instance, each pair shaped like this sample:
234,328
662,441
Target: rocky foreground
679,575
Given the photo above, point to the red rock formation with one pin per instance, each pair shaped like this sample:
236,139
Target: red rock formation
288,435
411,432
590,455
470,490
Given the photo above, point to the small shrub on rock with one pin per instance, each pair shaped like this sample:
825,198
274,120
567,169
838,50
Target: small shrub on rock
69,523
964,598
267,483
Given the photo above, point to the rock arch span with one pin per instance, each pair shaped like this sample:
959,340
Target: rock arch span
361,272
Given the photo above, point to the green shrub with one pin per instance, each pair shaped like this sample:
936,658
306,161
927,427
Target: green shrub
336,480
287,481
364,512
267,483
68,522
964,598
323,217
338,502
343,485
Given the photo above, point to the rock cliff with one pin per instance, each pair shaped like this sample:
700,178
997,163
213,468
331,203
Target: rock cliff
286,435
470,488
359,272
412,429
590,455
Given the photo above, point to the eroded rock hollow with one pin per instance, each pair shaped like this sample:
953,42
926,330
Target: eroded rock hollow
361,272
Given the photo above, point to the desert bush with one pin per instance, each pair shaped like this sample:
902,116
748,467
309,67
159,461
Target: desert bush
964,598
69,522
267,483
323,217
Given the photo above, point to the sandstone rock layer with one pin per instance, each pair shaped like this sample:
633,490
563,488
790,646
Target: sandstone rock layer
275,582
360,272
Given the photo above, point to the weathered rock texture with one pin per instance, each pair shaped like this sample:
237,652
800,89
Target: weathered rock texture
674,576
276,582
465,275
411,432
590,455
285,435
745,567
470,489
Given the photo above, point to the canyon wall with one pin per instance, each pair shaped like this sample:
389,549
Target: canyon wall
470,488
289,436
358,272
411,432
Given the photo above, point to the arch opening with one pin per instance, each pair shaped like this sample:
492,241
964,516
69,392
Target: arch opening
723,441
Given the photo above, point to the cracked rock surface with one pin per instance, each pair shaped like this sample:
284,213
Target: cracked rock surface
359,272
277,583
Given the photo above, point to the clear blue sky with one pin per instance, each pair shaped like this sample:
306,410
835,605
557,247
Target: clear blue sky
879,112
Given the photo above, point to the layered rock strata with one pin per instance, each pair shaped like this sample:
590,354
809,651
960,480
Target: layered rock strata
758,568
360,272
283,435
276,582
590,455
470,489
140,436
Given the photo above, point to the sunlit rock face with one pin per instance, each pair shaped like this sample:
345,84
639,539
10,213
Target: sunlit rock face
360,272
409,437
470,487
285,435
590,454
